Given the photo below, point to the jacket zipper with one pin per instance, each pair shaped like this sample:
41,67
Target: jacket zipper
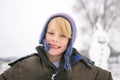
53,76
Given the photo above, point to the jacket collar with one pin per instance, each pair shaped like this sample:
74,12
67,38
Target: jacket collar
76,57
42,54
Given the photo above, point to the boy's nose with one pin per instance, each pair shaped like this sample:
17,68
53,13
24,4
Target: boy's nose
55,38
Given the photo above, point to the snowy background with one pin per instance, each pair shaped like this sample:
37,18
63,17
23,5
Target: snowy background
21,22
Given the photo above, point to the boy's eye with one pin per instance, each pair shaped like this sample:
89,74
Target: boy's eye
63,36
50,33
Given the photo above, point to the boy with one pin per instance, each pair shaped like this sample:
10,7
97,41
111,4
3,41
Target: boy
56,58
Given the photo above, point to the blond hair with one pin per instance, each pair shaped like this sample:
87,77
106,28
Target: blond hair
63,25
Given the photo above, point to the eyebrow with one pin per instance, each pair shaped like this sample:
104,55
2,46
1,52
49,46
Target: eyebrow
51,29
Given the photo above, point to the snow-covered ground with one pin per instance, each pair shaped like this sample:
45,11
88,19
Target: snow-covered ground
115,70
114,66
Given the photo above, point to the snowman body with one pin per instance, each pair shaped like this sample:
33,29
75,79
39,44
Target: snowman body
99,50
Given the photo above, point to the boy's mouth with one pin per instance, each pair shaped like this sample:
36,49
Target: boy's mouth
53,46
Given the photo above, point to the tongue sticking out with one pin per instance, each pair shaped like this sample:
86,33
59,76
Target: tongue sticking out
54,46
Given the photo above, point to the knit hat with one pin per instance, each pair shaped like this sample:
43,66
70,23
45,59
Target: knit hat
69,50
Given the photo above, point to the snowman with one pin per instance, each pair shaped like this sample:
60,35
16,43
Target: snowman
99,50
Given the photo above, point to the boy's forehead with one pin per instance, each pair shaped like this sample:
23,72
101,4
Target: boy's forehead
53,27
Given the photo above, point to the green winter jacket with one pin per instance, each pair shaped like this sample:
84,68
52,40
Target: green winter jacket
38,67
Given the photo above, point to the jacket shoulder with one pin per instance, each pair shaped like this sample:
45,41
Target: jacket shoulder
23,58
87,62
78,57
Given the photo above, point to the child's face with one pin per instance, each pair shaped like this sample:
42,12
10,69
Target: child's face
57,41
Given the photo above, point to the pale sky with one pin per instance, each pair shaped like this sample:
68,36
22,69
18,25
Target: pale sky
21,22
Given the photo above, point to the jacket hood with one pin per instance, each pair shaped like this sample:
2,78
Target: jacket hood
69,50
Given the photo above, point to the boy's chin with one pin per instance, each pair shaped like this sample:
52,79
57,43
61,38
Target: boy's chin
53,53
